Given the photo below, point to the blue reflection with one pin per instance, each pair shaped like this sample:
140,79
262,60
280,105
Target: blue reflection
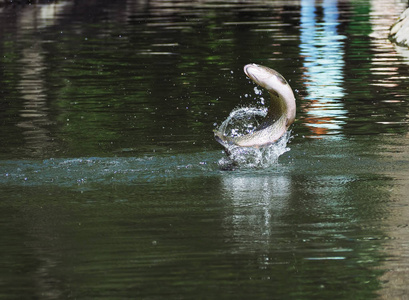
322,49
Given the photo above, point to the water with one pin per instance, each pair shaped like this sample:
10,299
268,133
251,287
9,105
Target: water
242,121
111,184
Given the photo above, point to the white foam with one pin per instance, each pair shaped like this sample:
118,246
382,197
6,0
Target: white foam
249,157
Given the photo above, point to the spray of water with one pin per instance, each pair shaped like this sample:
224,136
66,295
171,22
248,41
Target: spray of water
243,121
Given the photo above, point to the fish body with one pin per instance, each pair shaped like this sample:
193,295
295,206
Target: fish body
280,115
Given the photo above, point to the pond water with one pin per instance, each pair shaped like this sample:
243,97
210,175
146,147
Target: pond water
110,177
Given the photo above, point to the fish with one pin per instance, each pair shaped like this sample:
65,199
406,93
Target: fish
280,115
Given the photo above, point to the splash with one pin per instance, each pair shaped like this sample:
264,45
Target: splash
242,121
88,173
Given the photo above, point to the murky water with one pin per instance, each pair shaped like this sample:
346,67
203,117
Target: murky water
110,177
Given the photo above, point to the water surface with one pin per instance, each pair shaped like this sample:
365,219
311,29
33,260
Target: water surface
110,178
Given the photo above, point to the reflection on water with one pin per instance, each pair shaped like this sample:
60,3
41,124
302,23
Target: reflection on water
384,65
397,264
32,85
389,76
34,113
322,50
252,222
109,179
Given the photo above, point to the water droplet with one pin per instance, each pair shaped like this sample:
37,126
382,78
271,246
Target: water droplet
257,91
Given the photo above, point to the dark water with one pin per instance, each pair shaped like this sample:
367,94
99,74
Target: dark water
110,185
